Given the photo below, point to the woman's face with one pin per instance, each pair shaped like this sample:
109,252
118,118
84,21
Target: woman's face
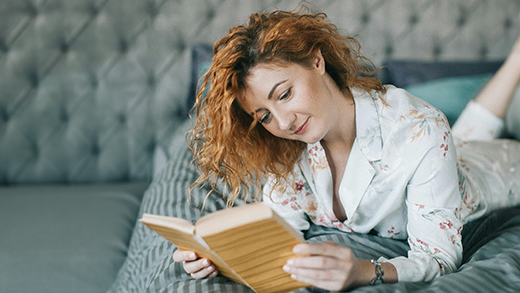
292,102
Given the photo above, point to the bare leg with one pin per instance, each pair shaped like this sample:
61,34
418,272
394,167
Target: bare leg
483,118
498,92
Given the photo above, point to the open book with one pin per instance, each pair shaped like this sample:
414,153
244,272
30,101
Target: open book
248,244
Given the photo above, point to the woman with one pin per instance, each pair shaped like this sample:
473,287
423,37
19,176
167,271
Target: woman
293,104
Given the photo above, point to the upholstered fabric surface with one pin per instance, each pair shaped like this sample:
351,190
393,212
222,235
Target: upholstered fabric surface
88,88
65,239
75,88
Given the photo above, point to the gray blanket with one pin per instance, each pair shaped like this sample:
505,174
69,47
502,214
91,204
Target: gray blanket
491,257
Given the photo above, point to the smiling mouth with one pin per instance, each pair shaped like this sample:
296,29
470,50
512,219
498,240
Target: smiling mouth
302,128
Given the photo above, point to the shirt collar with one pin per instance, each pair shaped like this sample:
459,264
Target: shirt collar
368,129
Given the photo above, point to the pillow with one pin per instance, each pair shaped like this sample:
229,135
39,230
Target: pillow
406,73
163,152
450,95
201,57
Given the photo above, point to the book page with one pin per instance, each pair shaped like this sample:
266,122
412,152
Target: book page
180,232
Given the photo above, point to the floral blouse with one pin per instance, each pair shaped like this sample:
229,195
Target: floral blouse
401,181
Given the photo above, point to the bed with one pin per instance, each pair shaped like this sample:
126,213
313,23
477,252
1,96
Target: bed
424,45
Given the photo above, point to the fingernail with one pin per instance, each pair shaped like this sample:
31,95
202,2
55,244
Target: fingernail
286,268
290,262
205,262
209,269
193,256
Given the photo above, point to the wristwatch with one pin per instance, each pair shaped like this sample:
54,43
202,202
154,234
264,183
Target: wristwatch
379,273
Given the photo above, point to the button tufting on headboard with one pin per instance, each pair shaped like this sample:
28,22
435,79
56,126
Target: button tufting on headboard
483,52
463,14
3,115
64,117
414,19
95,84
3,47
64,48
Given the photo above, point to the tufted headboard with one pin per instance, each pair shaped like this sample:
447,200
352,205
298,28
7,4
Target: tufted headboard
88,88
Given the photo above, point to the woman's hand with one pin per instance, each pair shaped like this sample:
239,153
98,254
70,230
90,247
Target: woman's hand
197,268
329,266
333,267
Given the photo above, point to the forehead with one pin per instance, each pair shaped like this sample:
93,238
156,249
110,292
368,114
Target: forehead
263,76
266,70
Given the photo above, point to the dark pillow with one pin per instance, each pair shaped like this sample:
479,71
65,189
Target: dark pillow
406,73
201,56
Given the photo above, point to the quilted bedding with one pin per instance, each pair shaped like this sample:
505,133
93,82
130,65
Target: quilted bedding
491,257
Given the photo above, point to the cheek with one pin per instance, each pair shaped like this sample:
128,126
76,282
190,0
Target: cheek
274,130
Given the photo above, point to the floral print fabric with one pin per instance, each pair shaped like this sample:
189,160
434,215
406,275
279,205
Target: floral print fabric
403,180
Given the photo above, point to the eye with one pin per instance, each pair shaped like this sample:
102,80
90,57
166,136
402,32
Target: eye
286,95
265,118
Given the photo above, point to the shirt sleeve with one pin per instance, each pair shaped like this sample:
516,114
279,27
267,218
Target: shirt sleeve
433,204
281,198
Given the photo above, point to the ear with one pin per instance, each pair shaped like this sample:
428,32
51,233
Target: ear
319,62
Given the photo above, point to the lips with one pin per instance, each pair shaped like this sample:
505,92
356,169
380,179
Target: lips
302,127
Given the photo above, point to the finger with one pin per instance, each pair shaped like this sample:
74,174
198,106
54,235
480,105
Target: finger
325,248
196,266
206,272
184,255
214,274
321,269
319,262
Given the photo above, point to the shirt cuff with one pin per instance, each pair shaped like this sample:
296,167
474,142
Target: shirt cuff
476,122
418,267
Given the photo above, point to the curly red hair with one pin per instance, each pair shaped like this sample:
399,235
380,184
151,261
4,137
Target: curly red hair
228,144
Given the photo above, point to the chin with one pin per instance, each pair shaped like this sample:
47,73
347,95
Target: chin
310,140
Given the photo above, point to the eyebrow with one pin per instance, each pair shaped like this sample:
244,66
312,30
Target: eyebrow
274,88
270,95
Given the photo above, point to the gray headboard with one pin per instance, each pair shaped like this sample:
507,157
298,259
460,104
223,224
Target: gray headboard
89,87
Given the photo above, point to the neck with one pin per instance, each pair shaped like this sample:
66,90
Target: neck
343,130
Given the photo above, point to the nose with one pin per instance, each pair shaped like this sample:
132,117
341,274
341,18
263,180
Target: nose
286,121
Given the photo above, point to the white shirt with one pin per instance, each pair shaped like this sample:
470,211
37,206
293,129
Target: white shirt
401,181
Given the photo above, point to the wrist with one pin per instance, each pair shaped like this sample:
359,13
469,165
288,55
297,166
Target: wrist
366,272
378,279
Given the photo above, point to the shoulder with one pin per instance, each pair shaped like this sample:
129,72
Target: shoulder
409,111
410,125
402,102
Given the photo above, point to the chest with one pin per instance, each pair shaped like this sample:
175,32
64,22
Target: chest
337,163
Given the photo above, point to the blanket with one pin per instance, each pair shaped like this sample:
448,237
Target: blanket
491,245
